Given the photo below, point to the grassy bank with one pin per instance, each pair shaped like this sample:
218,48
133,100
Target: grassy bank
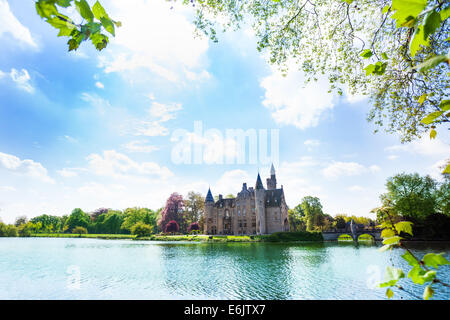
275,237
92,236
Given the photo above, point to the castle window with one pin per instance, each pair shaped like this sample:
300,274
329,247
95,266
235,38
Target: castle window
243,212
239,212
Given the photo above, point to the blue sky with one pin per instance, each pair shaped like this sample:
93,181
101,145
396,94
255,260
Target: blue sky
95,129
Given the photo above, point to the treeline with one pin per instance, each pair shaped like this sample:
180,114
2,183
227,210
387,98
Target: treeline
178,216
309,216
419,199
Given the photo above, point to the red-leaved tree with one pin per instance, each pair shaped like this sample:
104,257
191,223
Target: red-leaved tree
172,226
172,211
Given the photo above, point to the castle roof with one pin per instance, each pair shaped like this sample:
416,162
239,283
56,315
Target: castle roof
209,196
259,184
273,198
272,170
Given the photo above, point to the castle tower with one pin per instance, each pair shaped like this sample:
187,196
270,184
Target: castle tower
272,181
209,206
259,207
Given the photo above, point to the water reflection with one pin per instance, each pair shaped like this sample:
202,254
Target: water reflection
124,269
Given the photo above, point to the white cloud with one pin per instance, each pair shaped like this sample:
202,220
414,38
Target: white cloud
100,104
7,188
70,172
10,24
117,165
355,188
164,112
99,85
231,182
70,139
436,169
140,146
392,157
26,167
155,38
293,104
424,146
337,169
153,126
20,78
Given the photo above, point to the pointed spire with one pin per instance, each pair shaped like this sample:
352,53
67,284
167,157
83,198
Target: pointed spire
209,196
259,184
272,170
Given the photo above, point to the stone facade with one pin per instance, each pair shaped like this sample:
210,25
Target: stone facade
254,210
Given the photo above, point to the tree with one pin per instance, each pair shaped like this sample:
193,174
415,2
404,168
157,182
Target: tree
97,213
135,215
172,211
172,226
443,196
296,218
21,220
77,219
339,222
411,196
48,223
312,209
25,230
79,230
141,229
391,51
8,230
95,22
194,207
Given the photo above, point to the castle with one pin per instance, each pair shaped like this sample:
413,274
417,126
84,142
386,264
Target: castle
253,211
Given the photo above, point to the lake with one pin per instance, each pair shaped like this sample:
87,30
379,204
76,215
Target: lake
64,268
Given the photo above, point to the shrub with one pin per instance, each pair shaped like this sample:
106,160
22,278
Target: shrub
141,229
295,236
25,230
8,230
172,226
79,230
194,226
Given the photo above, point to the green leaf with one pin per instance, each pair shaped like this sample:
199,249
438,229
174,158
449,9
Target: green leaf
431,63
385,9
99,11
63,3
445,13
100,41
416,275
404,226
391,277
46,9
447,169
445,105
73,44
407,8
432,117
428,293
410,259
366,53
369,69
392,240
387,233
417,41
431,23
422,98
389,293
108,25
84,10
385,247
433,134
384,56
434,260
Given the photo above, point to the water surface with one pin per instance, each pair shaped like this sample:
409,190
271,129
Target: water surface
64,268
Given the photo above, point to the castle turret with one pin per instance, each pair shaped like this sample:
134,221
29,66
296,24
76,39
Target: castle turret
272,181
209,206
259,207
